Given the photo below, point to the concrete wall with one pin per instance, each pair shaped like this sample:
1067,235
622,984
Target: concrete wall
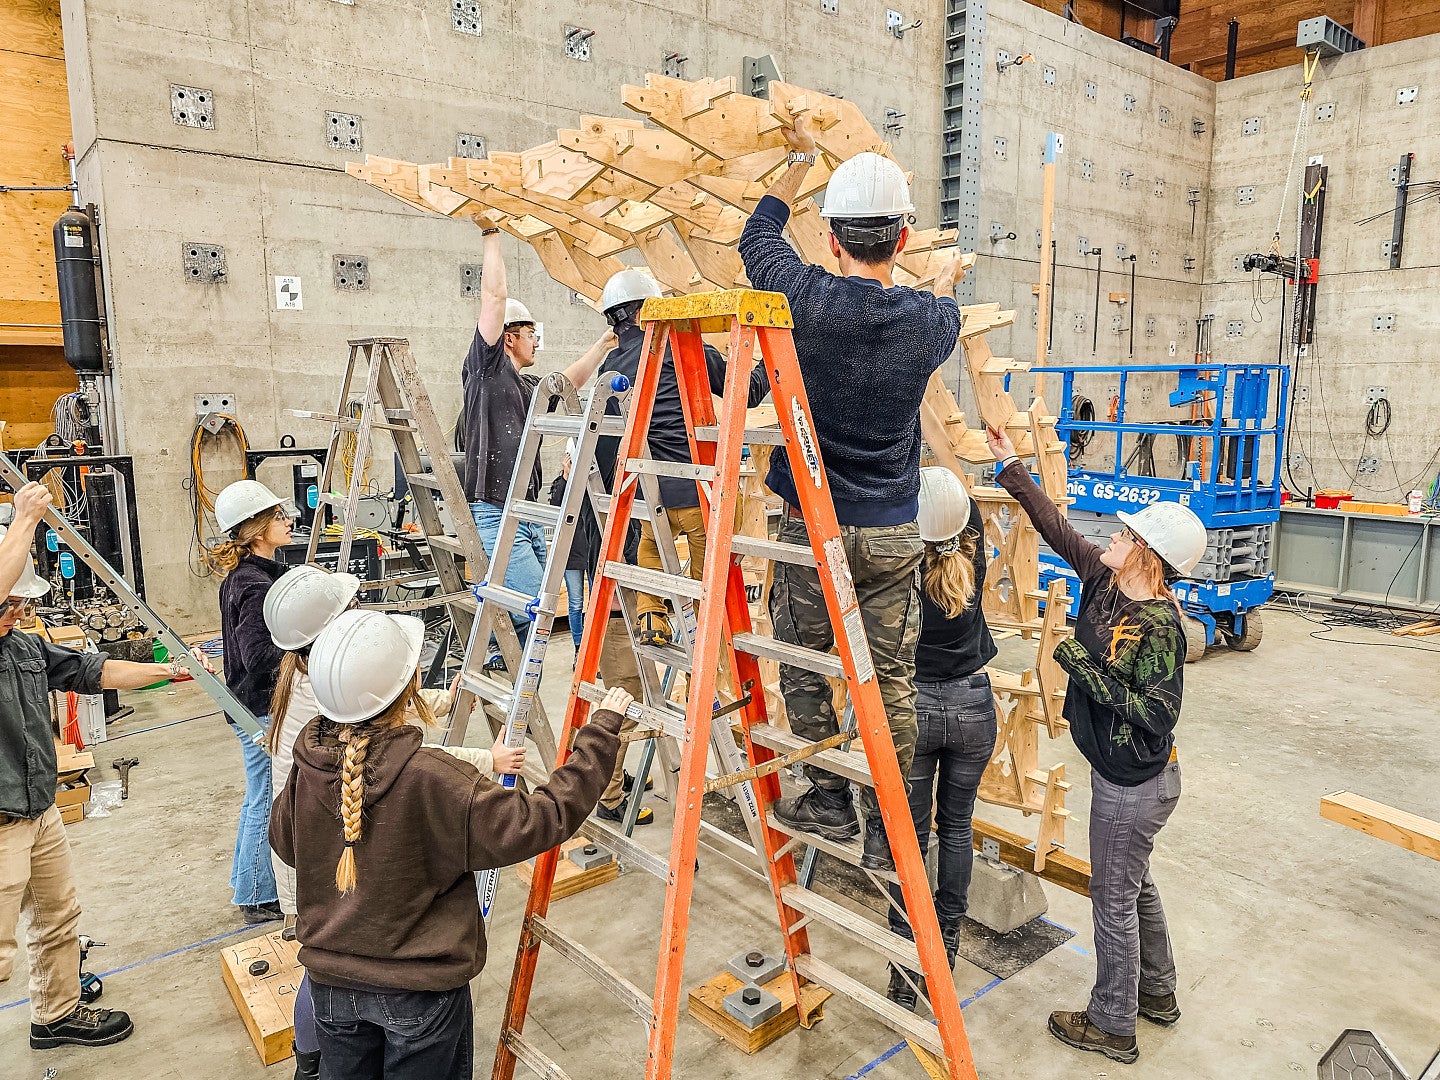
1368,133
1124,177
264,184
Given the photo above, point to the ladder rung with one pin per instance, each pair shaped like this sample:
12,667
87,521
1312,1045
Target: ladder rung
446,543
533,1059
848,851
349,423
626,850
655,582
890,1014
592,965
672,655
794,655
670,721
488,689
773,550
682,469
870,934
840,762
539,513
425,480
508,599
766,436
572,426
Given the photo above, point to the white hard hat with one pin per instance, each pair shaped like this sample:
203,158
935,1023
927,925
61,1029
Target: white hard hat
362,662
516,312
30,584
1172,531
866,186
625,287
303,602
241,501
944,505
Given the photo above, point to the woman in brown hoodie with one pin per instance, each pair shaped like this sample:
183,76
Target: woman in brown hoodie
386,834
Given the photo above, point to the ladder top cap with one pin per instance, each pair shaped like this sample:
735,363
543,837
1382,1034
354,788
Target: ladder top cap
715,311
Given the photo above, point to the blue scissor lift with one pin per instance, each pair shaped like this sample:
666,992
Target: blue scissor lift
1229,442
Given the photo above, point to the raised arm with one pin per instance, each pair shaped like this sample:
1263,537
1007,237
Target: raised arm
493,288
1081,554
580,371
31,502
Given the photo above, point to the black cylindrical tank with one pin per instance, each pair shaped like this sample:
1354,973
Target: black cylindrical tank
79,302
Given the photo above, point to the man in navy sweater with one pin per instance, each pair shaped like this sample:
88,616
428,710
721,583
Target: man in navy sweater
866,348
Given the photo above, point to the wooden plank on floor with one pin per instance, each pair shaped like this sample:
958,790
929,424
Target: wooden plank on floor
1398,827
1060,868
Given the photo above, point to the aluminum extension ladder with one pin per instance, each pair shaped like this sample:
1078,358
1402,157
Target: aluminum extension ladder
555,409
755,321
394,400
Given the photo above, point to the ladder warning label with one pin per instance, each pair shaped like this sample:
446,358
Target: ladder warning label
859,646
806,438
839,567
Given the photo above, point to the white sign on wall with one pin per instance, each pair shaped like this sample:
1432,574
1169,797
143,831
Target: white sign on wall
287,294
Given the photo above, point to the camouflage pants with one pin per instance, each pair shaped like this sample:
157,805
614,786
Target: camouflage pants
885,568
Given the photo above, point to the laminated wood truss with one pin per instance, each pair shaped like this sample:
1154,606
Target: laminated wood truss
673,187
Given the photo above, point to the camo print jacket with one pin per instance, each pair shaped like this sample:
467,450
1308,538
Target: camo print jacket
1126,660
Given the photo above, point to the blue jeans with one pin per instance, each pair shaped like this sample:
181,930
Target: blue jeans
395,1034
957,732
526,568
575,592
252,877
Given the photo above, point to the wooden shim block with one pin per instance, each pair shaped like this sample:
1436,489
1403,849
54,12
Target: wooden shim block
1398,827
1424,626
569,878
1060,868
706,1005
266,1002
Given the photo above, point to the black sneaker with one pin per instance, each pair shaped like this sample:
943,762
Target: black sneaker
877,846
1159,1009
630,783
83,1027
603,812
255,914
902,993
1078,1030
820,812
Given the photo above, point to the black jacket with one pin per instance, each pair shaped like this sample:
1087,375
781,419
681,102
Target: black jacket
30,667
252,660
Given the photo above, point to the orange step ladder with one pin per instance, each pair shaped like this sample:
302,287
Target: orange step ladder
755,322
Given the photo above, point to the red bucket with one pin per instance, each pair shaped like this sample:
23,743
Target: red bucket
1331,498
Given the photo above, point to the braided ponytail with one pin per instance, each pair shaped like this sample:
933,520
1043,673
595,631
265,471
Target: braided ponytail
352,803
356,740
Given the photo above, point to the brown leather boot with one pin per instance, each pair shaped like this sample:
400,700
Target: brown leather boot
1159,1009
1076,1029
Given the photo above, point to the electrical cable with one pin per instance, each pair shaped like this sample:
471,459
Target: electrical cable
202,497
1377,420
1083,410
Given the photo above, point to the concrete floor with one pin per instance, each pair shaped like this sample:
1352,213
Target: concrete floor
1288,929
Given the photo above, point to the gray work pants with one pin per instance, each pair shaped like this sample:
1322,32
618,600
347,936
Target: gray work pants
1132,942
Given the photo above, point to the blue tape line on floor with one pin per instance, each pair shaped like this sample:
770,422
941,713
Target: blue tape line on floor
152,959
901,1045
1071,943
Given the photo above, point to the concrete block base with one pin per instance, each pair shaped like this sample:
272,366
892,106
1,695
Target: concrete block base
1003,898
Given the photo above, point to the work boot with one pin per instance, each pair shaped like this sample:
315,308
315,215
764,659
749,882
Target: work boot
901,992
1159,1009
630,783
645,817
255,914
1076,1029
951,936
877,846
824,813
307,1066
83,1027
653,628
